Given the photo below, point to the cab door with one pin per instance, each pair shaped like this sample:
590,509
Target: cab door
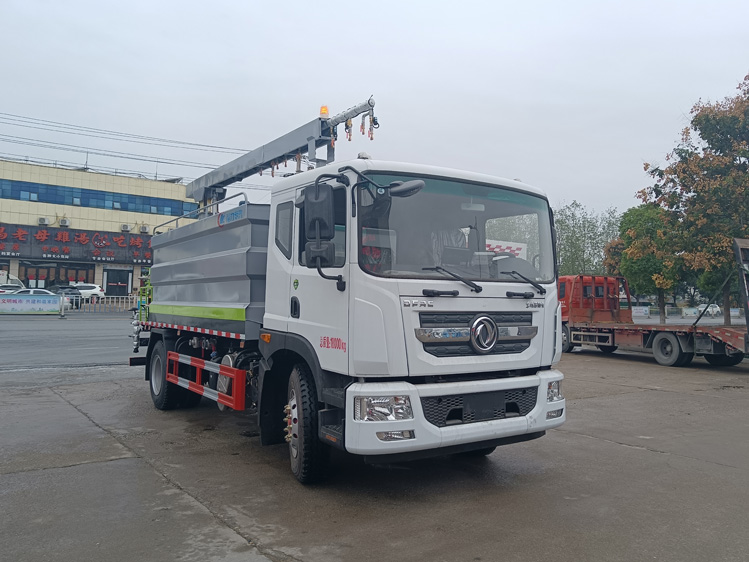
318,310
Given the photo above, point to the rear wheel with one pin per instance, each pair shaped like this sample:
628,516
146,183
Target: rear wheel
607,348
165,395
667,350
724,360
307,453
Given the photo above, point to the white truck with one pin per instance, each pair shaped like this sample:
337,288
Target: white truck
361,309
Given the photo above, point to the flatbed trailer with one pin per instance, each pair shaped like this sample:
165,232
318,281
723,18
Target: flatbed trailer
673,345
592,315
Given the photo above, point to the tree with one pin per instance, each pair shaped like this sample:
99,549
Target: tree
613,257
704,188
647,260
581,237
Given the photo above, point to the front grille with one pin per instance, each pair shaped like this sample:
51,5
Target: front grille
439,319
456,409
463,319
452,350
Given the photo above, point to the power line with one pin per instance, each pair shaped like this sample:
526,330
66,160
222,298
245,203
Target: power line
117,171
33,120
114,138
100,152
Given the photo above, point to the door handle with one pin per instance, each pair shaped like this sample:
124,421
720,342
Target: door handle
295,307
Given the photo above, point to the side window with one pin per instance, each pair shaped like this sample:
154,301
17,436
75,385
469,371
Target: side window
284,215
562,289
339,212
587,291
599,291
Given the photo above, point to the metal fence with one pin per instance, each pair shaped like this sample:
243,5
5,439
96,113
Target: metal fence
103,305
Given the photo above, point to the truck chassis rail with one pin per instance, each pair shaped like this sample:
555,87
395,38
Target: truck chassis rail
235,400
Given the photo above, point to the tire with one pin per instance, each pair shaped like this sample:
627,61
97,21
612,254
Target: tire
667,350
607,349
307,453
165,395
724,360
566,345
688,357
485,452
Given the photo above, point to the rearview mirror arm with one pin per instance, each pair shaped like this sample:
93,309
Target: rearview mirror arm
340,283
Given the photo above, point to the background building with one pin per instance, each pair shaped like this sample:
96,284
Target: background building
59,225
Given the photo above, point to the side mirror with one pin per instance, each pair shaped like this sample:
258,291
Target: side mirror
405,188
324,250
319,221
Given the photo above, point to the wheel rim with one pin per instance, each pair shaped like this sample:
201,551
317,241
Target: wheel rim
156,375
667,350
293,425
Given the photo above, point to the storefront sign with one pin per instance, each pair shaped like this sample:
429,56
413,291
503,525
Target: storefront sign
29,304
64,244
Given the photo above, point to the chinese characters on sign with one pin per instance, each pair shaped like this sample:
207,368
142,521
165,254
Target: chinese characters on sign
19,241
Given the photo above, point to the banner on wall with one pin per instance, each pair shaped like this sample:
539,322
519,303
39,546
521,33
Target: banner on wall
30,304
65,244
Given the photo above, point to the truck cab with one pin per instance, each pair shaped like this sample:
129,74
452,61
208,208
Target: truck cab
432,322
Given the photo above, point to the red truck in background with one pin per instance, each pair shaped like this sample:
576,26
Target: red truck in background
592,315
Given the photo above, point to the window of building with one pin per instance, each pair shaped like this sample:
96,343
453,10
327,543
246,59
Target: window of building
284,217
64,195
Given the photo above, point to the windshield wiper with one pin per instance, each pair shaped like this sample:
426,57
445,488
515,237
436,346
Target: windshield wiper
474,287
515,274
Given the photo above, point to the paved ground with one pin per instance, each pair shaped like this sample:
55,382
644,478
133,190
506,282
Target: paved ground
652,465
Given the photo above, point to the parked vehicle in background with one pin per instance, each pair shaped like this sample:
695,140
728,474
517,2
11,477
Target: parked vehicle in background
7,279
712,310
41,292
72,293
89,290
10,288
592,315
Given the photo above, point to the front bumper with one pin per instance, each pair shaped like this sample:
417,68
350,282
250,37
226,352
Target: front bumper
361,436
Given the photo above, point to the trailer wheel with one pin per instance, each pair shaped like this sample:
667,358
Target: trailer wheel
667,350
607,349
165,395
724,360
307,453
566,345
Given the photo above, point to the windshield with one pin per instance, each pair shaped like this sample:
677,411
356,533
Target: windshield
478,231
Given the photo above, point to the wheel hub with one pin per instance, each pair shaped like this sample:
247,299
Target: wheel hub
156,375
292,424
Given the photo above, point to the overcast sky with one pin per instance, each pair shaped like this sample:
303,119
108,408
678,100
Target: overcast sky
572,97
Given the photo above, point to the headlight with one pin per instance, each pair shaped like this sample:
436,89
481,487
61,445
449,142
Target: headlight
382,408
554,391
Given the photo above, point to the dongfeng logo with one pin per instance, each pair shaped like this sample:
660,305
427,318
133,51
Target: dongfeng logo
483,334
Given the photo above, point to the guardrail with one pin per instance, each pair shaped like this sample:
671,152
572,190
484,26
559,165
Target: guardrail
104,305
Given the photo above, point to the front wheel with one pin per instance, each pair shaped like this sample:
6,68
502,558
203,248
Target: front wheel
724,360
307,453
667,350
